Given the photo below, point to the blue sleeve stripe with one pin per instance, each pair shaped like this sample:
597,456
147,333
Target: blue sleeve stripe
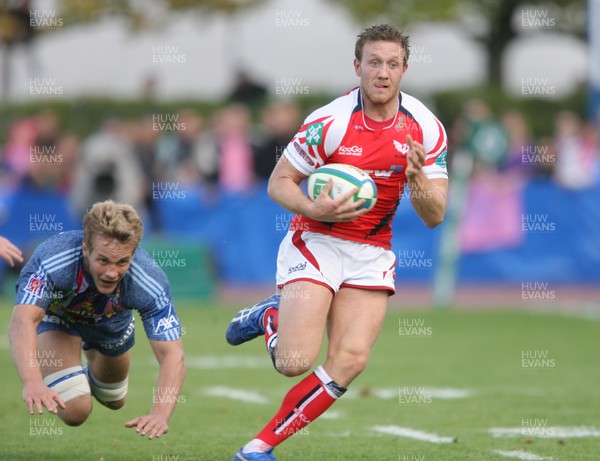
66,258
174,334
65,263
29,298
24,300
153,313
169,335
150,285
49,262
137,269
57,262
143,283
45,267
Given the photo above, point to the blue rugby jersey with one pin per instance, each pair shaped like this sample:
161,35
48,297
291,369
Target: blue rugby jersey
55,279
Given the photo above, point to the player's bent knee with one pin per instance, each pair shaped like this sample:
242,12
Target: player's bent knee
290,372
291,367
352,364
114,405
111,395
72,386
77,411
355,368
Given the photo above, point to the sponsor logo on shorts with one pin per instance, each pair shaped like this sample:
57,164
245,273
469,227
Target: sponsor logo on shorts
351,150
120,342
297,267
35,286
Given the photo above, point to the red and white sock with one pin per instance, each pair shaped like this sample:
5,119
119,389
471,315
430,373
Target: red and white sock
304,403
270,324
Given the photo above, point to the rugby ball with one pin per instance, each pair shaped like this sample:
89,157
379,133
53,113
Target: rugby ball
345,178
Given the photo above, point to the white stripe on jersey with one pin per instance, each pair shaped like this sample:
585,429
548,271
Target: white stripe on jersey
429,123
57,262
137,270
149,285
340,111
61,264
172,334
29,298
432,129
49,262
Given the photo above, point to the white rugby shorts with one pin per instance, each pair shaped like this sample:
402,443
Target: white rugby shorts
335,263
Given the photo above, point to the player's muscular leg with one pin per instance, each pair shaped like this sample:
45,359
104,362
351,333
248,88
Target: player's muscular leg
109,370
354,322
302,319
59,351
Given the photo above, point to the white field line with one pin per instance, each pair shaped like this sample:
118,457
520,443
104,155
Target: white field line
211,362
550,432
331,415
338,435
433,392
591,311
352,394
447,393
521,455
413,434
394,393
235,394
386,394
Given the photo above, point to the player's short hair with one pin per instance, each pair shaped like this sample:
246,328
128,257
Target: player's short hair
383,33
113,220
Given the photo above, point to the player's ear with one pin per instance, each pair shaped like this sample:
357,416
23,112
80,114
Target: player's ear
357,67
84,250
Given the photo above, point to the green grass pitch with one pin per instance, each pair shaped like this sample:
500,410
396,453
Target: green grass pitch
536,372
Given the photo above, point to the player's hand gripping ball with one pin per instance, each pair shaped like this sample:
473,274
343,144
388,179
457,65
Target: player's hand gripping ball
345,177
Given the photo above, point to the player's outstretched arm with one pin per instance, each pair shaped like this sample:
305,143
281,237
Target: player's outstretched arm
167,392
284,189
23,345
428,196
9,252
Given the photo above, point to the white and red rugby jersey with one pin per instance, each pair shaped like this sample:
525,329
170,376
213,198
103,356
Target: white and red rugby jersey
341,133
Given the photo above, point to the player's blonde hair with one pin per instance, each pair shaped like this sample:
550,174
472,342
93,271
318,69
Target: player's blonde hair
382,33
113,220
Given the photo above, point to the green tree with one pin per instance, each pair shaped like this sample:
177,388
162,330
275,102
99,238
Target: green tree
493,23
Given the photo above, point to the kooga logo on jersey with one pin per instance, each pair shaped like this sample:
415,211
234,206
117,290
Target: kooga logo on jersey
352,150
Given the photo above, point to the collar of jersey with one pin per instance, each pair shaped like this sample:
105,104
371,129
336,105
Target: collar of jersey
362,106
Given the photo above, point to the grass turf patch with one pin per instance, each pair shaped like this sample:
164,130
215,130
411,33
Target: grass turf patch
532,371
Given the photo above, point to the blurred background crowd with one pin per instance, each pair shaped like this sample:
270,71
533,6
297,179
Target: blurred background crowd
524,169
129,158
231,150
